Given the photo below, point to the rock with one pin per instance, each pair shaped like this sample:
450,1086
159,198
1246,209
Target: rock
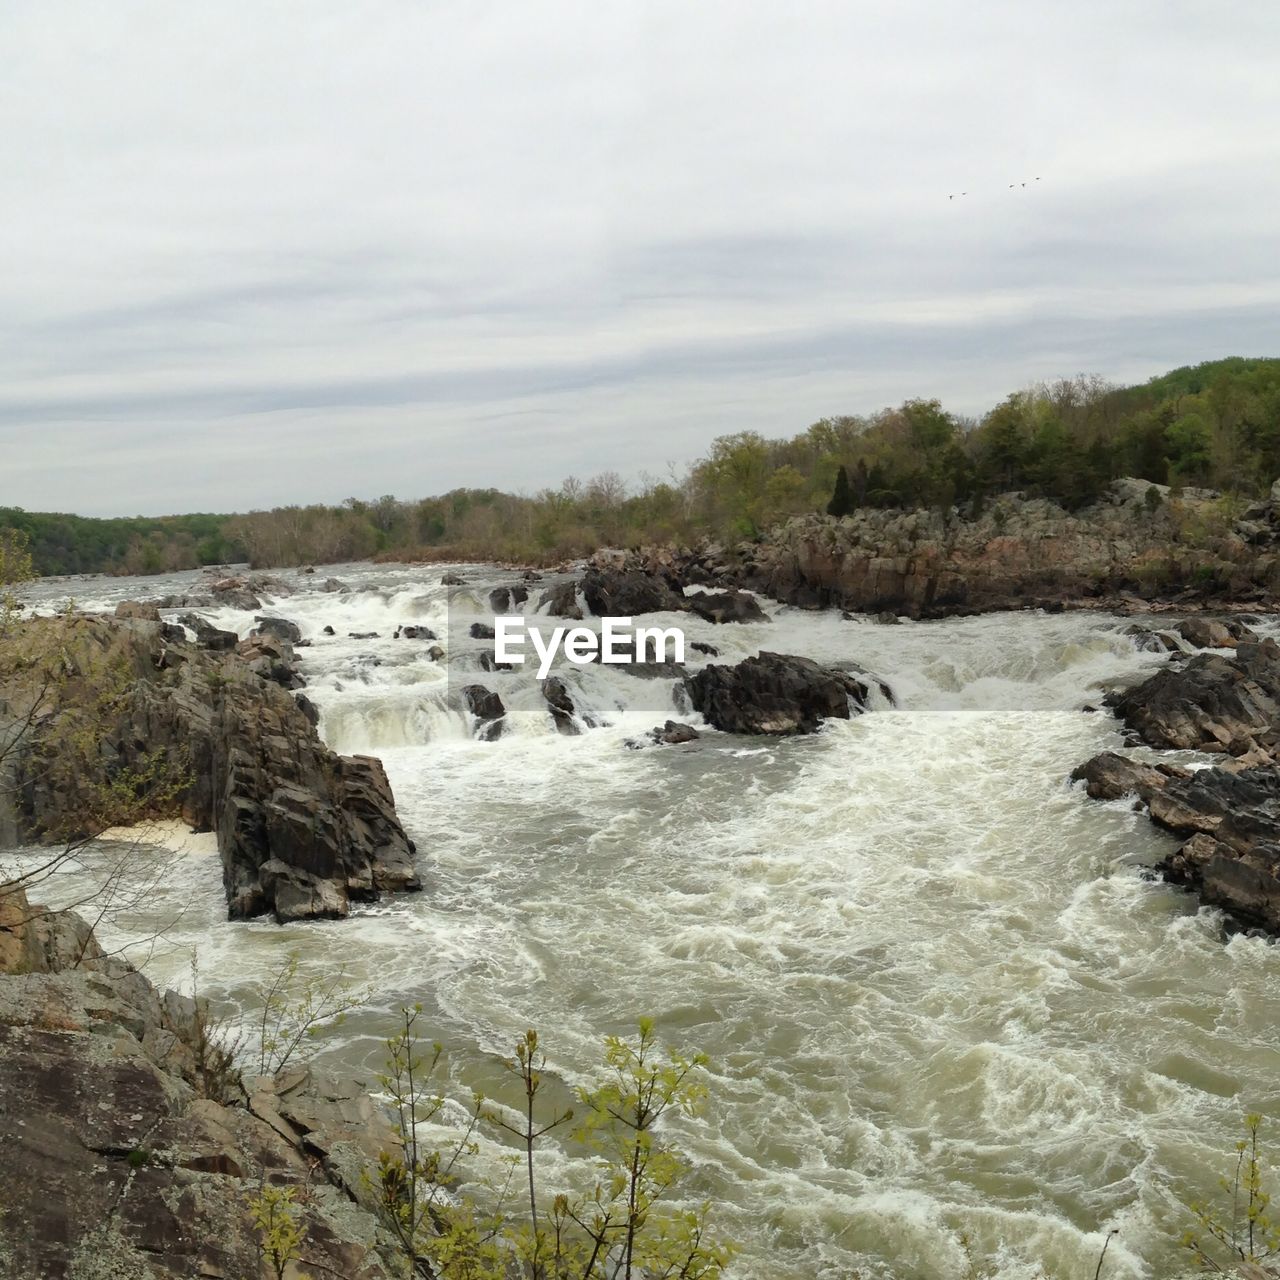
627,593
332,585
255,771
233,593
1232,859
362,635
1214,633
561,601
123,1157
531,575
727,606
673,732
307,707
1145,640
777,693
435,653
481,632
280,628
699,646
329,631
416,633
140,609
489,663
452,580
504,599
271,659
886,618
487,708
560,705
1209,701
1110,776
207,635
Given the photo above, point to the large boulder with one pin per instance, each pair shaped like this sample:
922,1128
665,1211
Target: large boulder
1214,633
626,593
561,601
1110,776
727,606
279,628
1210,702
775,693
207,635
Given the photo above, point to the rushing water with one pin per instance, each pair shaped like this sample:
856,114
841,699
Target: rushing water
940,997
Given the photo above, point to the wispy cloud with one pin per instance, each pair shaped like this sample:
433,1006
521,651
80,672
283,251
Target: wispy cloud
258,255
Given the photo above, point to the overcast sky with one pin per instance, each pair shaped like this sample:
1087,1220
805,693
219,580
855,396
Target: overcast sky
272,251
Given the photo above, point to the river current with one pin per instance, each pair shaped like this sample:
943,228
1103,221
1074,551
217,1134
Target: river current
948,1014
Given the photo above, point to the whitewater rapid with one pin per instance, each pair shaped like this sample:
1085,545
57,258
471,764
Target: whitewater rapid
942,1001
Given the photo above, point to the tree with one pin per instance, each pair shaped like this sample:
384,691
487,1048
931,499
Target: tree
841,503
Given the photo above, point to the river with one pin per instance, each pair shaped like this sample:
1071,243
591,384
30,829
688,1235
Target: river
947,1011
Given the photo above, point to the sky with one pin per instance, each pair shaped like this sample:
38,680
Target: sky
254,254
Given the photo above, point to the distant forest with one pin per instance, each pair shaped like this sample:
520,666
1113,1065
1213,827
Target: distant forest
1214,425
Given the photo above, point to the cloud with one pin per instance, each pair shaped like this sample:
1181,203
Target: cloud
287,253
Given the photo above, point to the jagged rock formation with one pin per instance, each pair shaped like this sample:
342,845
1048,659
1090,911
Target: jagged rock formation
625,593
302,831
1228,817
1015,554
777,693
123,1156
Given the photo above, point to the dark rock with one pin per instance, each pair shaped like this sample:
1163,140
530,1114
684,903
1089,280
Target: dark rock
362,635
307,707
778,694
1110,776
452,580
481,632
504,599
627,593
207,635
416,633
1146,640
1208,702
560,705
1232,859
281,628
727,606
709,649
329,631
256,773
487,708
888,619
562,601
673,732
233,593
489,663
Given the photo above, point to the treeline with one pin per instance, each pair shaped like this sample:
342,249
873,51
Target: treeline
1214,425
61,543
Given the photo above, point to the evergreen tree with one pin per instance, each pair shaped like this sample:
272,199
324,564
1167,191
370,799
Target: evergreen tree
841,503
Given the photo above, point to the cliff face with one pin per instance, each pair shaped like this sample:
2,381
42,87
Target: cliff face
302,831
1017,553
127,1156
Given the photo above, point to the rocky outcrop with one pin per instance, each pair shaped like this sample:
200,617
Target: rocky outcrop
138,609
1210,702
1228,817
1111,776
504,599
124,1155
302,831
1017,553
775,693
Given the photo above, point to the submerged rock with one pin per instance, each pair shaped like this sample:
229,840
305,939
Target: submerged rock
775,693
